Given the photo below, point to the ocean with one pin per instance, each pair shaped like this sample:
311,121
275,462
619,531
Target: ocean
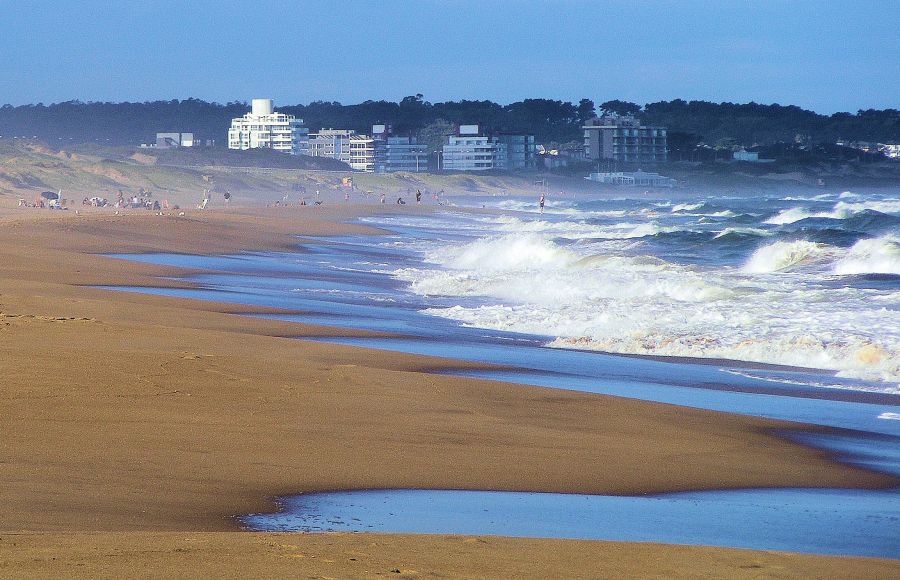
777,306
809,281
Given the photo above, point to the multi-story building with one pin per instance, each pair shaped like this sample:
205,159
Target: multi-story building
398,153
357,151
262,127
471,151
521,152
623,139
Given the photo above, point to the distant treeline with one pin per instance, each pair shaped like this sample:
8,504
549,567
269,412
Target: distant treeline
551,121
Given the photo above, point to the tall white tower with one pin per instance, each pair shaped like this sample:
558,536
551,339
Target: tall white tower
262,127
262,107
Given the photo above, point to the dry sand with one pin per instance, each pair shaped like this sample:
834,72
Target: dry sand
155,420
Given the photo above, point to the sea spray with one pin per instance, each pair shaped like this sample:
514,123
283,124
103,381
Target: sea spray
633,285
841,210
871,256
780,256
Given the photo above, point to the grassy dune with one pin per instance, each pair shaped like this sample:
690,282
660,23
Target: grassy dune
27,168
257,177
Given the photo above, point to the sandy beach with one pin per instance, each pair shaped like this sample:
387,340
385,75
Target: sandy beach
136,427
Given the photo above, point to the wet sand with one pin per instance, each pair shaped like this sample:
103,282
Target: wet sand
129,413
255,555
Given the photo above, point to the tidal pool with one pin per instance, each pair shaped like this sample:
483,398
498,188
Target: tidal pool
821,521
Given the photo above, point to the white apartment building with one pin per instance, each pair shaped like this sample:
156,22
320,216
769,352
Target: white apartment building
469,151
263,127
357,151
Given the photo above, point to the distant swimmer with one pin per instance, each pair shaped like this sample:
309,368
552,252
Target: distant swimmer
541,202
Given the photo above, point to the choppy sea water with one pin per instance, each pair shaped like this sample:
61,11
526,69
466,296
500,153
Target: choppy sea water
791,280
811,282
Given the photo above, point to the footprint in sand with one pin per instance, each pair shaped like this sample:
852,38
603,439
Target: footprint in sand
10,319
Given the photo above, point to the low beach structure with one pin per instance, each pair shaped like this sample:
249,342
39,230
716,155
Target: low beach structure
635,178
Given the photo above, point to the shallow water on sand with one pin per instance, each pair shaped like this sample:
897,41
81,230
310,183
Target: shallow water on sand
784,519
366,283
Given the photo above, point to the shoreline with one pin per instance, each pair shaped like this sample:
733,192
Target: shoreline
515,437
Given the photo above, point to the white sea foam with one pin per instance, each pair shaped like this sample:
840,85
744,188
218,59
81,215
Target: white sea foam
744,231
645,305
555,208
841,210
570,229
578,230
780,256
723,213
820,197
584,281
871,256
789,216
513,252
816,383
681,207
690,209
868,256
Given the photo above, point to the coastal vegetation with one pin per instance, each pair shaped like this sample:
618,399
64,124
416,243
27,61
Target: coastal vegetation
551,121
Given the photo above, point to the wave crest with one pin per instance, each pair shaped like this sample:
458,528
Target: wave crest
780,256
841,210
871,256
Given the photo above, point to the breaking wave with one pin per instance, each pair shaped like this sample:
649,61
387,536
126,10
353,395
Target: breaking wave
531,282
871,256
866,256
780,256
739,232
841,210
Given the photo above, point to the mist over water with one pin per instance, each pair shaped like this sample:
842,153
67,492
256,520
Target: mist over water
810,281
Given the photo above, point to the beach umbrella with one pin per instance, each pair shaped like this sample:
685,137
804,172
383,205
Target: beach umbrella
49,195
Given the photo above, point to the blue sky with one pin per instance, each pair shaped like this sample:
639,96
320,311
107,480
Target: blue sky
827,55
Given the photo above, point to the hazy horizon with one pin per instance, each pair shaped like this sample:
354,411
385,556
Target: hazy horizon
817,55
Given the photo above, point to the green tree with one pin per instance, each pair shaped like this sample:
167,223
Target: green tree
586,111
434,135
620,107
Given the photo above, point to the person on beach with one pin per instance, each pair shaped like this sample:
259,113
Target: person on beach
400,201
541,202
418,196
382,198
